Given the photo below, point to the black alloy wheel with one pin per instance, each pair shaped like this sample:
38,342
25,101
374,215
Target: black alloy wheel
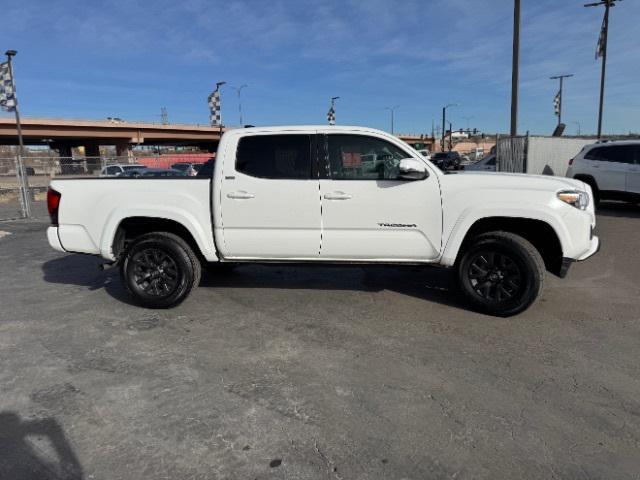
500,273
495,276
160,269
155,273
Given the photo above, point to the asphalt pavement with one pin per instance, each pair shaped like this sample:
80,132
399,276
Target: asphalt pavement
289,372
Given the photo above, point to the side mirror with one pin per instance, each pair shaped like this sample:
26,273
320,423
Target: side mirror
412,169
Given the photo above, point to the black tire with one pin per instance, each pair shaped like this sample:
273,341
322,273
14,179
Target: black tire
159,270
500,273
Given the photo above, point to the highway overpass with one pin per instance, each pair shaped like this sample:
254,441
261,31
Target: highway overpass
64,134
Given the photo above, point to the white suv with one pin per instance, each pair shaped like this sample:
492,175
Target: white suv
612,169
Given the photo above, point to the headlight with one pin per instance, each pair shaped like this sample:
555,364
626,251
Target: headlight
575,198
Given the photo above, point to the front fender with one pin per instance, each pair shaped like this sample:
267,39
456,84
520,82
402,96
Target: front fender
453,241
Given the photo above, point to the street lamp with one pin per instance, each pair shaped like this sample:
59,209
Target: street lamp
444,112
238,90
392,109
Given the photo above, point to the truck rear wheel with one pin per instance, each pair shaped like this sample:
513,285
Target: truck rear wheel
501,273
160,269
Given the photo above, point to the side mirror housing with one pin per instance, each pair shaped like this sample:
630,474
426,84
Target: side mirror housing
412,169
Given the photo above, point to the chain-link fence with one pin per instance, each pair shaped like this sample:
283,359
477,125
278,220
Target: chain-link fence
16,190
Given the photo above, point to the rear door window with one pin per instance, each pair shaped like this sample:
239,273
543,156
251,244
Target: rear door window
275,156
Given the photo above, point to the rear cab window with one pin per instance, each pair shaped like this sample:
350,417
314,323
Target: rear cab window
275,156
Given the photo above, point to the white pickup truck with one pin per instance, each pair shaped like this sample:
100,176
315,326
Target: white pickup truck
328,194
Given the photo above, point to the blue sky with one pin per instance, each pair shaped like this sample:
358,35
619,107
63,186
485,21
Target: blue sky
100,58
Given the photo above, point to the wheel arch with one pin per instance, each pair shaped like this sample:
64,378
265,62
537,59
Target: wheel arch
540,233
131,227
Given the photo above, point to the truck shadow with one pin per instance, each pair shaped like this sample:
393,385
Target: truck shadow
429,284
35,448
618,209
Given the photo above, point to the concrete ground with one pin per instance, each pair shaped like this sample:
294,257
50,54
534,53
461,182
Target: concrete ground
317,373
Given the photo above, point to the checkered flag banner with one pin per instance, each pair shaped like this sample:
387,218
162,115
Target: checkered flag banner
600,45
215,115
7,91
331,116
556,104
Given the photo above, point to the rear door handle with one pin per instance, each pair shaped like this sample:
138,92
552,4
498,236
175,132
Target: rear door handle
240,195
337,196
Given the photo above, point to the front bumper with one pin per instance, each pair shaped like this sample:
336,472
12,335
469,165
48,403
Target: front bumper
54,240
594,248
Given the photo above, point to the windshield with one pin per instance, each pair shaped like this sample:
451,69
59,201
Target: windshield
133,167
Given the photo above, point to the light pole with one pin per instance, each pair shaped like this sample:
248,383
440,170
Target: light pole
602,52
392,109
238,90
579,129
444,118
561,77
515,68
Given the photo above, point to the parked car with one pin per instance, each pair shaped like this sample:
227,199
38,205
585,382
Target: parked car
272,198
446,160
190,169
163,172
611,169
118,169
486,164
207,168
425,153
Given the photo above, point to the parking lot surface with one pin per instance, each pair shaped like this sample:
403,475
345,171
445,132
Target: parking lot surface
290,372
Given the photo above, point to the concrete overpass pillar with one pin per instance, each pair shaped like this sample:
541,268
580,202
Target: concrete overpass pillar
92,150
123,149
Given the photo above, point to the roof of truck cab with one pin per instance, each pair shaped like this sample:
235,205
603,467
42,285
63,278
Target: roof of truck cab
293,128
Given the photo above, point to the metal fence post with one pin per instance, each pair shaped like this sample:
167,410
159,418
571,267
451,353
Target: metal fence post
23,186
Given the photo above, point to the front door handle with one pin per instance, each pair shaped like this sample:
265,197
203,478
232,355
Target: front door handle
337,196
240,195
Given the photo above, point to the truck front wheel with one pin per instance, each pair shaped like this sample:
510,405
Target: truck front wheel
160,269
501,273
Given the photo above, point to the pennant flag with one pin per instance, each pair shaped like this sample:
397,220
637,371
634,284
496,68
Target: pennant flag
215,114
600,46
7,91
331,116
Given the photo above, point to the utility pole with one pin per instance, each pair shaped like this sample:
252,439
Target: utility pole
515,68
392,109
22,174
238,90
561,77
444,119
601,51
